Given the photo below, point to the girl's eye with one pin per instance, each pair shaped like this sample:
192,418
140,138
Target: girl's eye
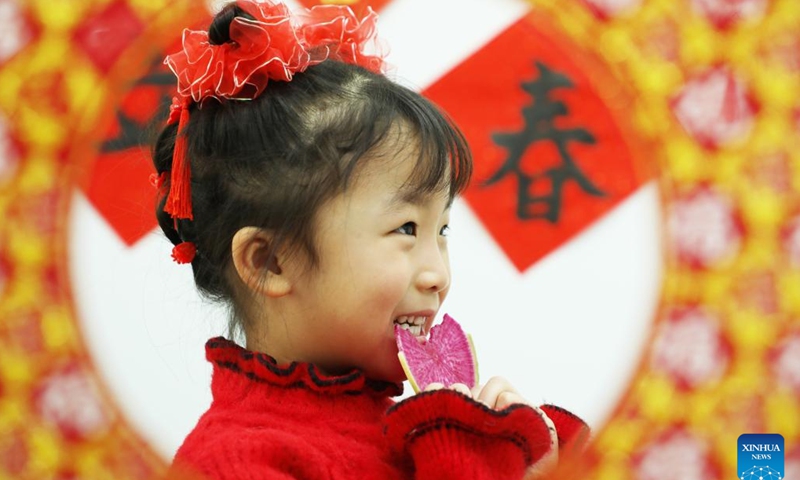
408,228
444,231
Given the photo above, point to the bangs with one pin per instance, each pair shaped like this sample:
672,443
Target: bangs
443,157
370,116
444,162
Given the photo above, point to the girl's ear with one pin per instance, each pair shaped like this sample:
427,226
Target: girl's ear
256,264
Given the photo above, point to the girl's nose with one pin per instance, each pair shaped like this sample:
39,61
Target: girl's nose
434,274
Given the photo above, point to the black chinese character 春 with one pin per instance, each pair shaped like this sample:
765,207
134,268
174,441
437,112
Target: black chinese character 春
133,134
539,127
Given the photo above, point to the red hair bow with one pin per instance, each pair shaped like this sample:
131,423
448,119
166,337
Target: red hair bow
343,35
259,50
274,46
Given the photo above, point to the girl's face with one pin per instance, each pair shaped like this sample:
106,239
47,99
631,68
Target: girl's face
382,255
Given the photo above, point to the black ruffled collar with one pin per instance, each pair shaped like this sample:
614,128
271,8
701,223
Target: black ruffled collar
261,367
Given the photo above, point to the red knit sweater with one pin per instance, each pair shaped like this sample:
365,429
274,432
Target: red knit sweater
292,422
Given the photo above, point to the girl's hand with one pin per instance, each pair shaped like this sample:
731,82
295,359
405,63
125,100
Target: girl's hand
497,394
458,387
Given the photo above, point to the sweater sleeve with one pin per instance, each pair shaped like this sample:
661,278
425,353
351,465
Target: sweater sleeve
448,435
229,454
573,433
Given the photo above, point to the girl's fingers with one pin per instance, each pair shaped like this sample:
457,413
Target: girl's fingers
507,398
458,387
493,389
497,393
461,388
476,391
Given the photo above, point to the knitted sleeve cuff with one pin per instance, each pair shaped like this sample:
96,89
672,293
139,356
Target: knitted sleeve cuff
448,435
573,433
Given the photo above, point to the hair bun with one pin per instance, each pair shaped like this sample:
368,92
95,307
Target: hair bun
219,30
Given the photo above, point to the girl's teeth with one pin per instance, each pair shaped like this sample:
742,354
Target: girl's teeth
411,320
413,329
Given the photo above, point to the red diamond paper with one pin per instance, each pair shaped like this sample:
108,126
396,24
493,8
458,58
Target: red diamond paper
118,185
485,97
121,193
106,35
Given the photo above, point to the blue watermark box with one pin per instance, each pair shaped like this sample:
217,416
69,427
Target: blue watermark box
760,456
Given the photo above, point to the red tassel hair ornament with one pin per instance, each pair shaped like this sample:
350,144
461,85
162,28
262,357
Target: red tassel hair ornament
184,252
179,201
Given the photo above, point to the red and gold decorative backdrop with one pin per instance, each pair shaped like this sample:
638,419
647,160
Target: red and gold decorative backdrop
701,95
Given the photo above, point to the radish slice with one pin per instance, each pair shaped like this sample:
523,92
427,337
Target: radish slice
447,357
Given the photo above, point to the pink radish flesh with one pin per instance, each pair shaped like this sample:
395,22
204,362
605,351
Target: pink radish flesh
447,357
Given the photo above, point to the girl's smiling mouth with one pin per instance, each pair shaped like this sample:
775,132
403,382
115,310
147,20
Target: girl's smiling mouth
419,324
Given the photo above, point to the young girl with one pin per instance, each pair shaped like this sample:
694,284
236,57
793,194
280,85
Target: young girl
312,195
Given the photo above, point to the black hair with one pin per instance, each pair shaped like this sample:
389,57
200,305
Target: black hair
271,162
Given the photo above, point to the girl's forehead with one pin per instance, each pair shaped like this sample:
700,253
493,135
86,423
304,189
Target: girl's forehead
389,192
393,161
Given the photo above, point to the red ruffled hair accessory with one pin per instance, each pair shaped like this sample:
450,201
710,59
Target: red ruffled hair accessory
184,252
342,35
267,48
274,45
